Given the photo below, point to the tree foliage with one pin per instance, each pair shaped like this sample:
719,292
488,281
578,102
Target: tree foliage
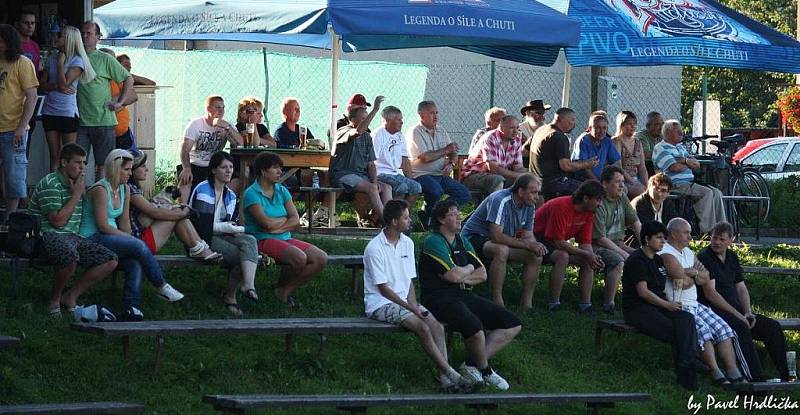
747,98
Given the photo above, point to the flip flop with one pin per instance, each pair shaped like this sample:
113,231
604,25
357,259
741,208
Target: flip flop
234,309
54,312
250,294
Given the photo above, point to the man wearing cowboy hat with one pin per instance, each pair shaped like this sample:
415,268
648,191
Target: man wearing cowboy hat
533,118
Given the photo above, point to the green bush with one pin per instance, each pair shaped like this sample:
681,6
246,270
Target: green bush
783,210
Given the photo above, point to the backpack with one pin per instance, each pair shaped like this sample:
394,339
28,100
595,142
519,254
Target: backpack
24,235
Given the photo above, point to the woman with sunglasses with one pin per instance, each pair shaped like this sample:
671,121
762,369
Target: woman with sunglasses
251,111
60,80
215,221
153,224
106,221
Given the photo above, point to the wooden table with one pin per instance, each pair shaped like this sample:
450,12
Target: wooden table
293,160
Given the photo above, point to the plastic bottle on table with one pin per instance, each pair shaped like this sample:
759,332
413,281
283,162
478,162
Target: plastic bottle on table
315,181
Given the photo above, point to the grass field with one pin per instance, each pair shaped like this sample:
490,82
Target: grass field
553,353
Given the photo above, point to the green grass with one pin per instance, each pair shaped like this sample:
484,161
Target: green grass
553,353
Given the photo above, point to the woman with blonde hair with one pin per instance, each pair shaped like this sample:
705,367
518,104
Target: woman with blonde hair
60,80
106,221
632,152
251,111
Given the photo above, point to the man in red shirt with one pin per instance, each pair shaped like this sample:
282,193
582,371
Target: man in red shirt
561,219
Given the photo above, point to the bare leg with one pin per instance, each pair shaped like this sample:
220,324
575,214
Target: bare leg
497,339
300,267
99,172
234,280
426,337
497,270
476,347
585,280
162,229
386,193
727,355
374,196
560,261
60,278
89,277
54,145
530,274
185,190
68,138
708,356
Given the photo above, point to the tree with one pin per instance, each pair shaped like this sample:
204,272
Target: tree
747,98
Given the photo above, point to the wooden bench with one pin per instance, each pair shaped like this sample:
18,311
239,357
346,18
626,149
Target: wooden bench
289,327
89,408
762,388
8,341
239,404
772,271
619,326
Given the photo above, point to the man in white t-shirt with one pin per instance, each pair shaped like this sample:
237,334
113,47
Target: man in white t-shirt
389,296
394,167
203,137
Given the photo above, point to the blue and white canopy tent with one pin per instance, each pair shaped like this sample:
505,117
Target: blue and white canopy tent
519,30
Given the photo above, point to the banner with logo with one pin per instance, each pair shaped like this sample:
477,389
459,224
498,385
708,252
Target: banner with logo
677,32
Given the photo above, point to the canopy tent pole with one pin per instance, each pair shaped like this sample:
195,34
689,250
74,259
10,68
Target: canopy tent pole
705,102
336,50
567,81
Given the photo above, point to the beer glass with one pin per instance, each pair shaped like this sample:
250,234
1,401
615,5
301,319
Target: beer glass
303,133
250,135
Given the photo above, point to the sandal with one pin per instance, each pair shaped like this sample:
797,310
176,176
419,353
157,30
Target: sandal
250,294
54,312
234,309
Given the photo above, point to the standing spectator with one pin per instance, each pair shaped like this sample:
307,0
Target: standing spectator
202,138
449,268
353,162
124,137
391,156
671,157
558,221
649,137
57,202
154,224
60,80
26,27
632,153
270,216
125,61
17,101
550,156
501,229
96,107
216,223
433,156
389,296
646,307
595,142
533,118
496,160
106,221
251,111
611,219
492,118
727,294
653,204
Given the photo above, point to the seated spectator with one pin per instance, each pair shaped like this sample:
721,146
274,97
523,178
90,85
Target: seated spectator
653,204
685,273
550,156
124,137
389,296
649,137
558,221
125,61
496,160
17,101
727,295
533,118
270,216
215,205
611,219
671,157
449,268
60,80
433,156
501,230
647,308
287,135
492,118
353,162
106,221
154,224
595,143
632,153
251,111
203,137
56,201
391,156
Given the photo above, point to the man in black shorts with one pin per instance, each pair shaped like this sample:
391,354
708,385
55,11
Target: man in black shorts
448,269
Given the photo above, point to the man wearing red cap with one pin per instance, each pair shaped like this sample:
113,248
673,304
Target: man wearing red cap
356,101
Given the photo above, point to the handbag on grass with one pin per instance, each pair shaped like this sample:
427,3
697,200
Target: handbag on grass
24,234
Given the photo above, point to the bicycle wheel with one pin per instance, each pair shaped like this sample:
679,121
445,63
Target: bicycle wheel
750,183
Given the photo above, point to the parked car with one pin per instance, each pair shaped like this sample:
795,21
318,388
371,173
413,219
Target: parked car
774,158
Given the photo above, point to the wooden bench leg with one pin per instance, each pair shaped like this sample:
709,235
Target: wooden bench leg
159,350
289,342
126,346
310,209
598,336
594,408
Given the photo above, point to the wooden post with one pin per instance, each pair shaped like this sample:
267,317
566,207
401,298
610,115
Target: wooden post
126,346
289,342
159,348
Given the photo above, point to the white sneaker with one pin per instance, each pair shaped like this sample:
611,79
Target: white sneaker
496,380
170,294
471,374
